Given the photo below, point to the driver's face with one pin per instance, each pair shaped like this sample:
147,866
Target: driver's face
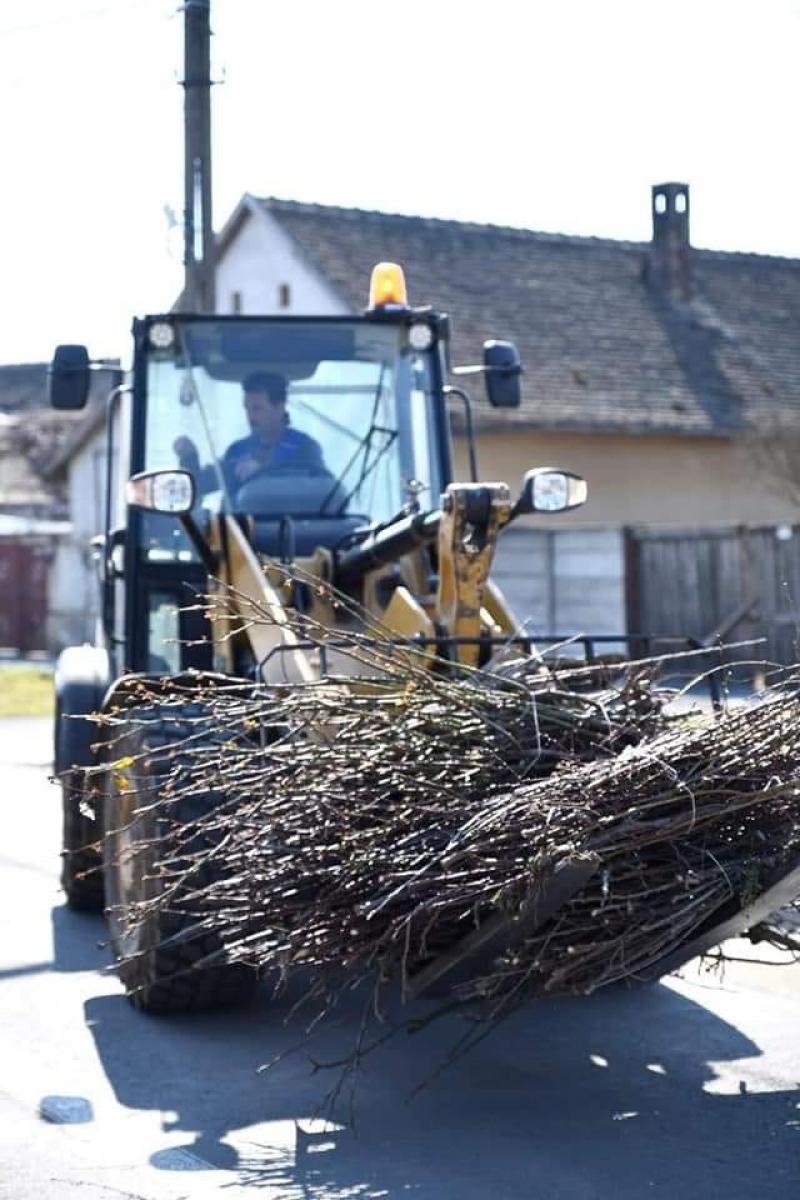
267,417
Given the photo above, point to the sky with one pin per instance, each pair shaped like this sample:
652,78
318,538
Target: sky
555,115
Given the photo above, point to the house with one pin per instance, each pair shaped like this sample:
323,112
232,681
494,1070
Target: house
74,588
646,364
78,468
52,502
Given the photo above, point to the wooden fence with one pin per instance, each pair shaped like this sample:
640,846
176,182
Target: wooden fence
717,585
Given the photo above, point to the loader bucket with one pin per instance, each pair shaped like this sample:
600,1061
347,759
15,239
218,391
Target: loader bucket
732,920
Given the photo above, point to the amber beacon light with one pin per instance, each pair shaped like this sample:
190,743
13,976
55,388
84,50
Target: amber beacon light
387,286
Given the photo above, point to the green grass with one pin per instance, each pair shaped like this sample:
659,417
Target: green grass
26,691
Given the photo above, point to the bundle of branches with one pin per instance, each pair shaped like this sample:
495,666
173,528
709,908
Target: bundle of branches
689,822
378,832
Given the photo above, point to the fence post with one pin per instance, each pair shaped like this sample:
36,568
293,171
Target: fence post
633,581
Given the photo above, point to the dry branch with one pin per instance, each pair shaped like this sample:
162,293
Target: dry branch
375,831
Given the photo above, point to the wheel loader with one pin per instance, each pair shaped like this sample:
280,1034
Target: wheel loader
300,468
344,479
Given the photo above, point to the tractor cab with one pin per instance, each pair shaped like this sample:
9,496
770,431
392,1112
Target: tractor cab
314,429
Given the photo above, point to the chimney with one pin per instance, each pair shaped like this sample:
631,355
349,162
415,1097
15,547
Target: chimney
669,265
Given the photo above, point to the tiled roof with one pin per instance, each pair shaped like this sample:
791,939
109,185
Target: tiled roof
602,349
46,438
24,443
32,435
22,386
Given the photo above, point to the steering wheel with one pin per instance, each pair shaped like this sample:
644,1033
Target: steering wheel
273,472
284,490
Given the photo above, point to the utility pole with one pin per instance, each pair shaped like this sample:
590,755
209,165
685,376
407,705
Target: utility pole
198,239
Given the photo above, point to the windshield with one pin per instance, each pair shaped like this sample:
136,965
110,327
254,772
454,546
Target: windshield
322,420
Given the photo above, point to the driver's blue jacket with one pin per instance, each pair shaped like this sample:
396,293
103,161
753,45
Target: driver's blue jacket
294,451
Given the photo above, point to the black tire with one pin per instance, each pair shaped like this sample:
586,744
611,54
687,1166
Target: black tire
81,859
81,856
159,974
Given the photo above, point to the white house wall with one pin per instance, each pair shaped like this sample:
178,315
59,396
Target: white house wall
73,587
258,261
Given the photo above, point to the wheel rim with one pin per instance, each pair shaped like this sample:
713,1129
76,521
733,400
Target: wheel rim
129,862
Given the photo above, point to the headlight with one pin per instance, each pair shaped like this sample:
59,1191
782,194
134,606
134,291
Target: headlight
420,336
161,335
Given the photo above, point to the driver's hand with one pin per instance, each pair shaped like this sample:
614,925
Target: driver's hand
183,448
246,467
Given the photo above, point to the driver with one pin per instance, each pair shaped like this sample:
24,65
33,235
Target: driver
271,446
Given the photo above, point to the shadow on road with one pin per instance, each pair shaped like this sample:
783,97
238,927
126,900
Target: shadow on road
79,944
80,940
590,1099
583,1098
575,1099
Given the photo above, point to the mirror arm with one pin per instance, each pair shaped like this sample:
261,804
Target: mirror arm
478,370
484,370
516,511
450,390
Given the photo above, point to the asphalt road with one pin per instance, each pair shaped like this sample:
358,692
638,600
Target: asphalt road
687,1089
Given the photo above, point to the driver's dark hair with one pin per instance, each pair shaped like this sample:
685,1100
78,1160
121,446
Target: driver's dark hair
263,381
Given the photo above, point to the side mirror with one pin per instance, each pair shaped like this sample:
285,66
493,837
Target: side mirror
161,491
502,369
68,378
547,490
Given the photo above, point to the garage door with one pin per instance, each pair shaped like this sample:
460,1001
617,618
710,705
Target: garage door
23,595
